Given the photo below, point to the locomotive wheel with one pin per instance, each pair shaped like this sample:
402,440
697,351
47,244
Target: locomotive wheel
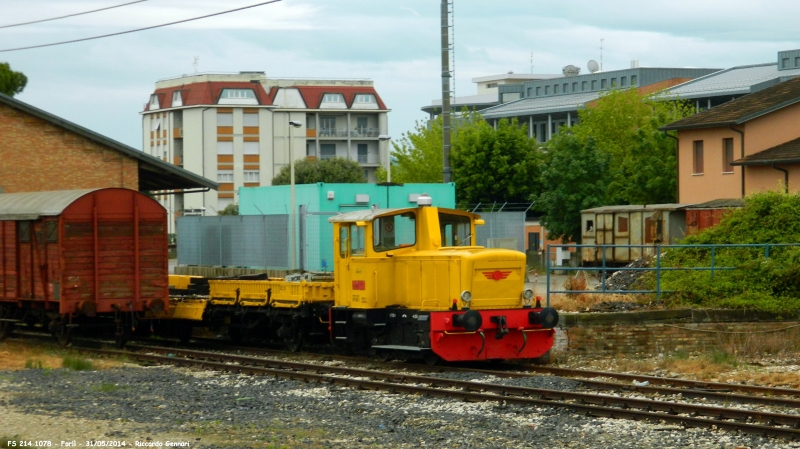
431,359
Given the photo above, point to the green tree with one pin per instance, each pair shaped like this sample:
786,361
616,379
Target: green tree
312,171
575,176
638,161
11,82
418,155
230,209
494,164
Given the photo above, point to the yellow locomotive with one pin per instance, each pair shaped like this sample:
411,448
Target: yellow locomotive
406,281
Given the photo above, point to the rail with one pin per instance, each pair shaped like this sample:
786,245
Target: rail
656,253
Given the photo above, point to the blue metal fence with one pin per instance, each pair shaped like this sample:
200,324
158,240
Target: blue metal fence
604,268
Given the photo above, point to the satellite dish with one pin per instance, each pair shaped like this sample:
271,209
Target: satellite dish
593,66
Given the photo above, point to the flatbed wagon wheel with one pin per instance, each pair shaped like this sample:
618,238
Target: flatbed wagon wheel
294,344
384,355
6,321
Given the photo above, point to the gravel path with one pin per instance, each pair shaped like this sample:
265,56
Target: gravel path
208,409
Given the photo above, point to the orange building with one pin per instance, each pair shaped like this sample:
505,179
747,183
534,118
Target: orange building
747,145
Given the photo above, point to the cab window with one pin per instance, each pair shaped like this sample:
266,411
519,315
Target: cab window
344,241
356,240
455,229
394,231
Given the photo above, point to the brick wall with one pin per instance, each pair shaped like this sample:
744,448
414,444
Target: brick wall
36,155
664,332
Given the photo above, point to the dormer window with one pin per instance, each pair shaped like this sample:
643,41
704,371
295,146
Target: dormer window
332,98
238,96
177,99
154,102
365,98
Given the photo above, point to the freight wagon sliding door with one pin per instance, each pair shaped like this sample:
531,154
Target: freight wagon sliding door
8,260
37,257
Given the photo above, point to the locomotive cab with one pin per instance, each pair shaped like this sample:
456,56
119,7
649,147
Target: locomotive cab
413,280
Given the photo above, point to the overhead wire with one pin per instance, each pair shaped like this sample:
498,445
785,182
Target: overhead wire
138,29
69,15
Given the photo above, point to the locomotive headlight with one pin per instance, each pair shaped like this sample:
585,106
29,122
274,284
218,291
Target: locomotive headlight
527,296
466,296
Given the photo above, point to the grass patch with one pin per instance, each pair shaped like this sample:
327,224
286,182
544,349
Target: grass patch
107,388
77,363
34,364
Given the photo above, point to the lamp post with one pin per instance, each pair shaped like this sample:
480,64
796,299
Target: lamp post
386,138
293,239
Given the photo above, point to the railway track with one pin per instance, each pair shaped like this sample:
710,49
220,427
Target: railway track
780,425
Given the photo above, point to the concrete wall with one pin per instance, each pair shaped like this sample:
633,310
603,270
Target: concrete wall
36,155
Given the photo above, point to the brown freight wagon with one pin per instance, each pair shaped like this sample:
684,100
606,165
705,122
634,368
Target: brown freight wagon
81,258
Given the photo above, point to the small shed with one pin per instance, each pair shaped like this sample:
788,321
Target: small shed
630,225
82,252
706,215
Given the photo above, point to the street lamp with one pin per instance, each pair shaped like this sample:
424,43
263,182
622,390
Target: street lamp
293,124
386,138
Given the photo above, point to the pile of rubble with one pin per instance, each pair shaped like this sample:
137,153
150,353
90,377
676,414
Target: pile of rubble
624,279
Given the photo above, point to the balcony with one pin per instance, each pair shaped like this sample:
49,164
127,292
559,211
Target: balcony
344,133
369,159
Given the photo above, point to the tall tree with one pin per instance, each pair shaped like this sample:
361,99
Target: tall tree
312,171
637,162
11,82
418,155
575,176
494,164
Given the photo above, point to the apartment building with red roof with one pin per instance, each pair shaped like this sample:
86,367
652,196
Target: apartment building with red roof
234,128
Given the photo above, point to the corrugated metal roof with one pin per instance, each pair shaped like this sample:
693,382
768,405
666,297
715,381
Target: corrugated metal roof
733,81
635,207
32,205
365,215
718,204
541,105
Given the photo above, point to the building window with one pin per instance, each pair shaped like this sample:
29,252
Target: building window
491,85
238,93
225,147
538,91
633,80
622,224
698,158
613,82
565,88
727,155
154,102
603,83
575,87
594,84
327,151
584,84
224,176
547,90
251,176
224,119
327,126
530,91
251,148
250,119
555,88
332,98
797,61
362,153
785,63
365,98
177,99
623,81
543,132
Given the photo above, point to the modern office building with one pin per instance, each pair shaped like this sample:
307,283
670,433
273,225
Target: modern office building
235,129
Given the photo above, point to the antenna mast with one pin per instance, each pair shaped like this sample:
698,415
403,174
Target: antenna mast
446,75
196,63
531,63
601,54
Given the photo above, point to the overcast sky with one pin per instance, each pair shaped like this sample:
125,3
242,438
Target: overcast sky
103,84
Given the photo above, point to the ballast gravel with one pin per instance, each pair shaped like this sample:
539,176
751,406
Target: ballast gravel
145,406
